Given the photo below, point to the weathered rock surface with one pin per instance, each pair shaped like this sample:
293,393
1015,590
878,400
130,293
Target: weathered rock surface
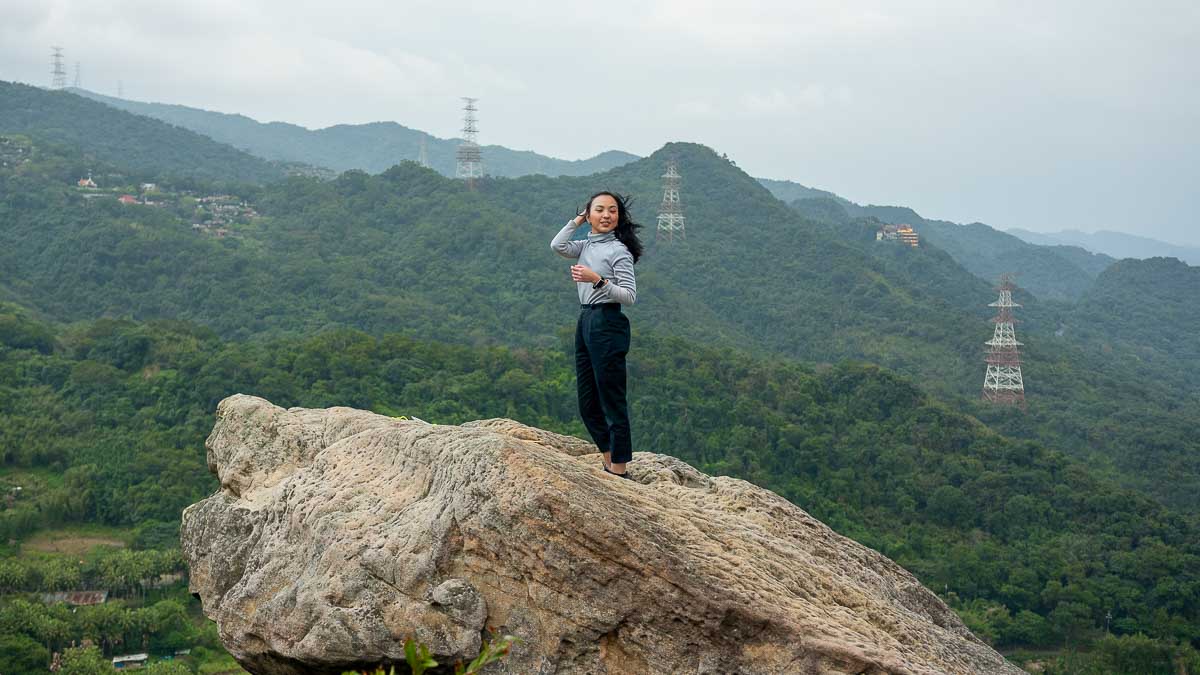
338,532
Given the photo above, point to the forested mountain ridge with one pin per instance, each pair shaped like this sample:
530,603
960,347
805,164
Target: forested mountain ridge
145,148
422,241
369,147
1149,307
412,252
1049,272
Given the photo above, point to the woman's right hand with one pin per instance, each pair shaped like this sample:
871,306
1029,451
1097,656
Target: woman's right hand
579,219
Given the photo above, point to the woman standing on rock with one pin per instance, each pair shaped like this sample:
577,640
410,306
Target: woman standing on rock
605,281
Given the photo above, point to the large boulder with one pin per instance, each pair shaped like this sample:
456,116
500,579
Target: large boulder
337,533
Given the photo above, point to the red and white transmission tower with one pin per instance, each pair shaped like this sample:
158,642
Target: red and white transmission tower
470,159
670,213
1003,383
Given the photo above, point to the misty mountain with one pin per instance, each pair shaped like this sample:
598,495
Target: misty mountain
141,145
789,191
1053,273
1116,244
370,147
1049,272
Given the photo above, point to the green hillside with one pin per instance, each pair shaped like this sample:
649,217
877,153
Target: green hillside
1148,307
1029,545
1115,406
370,147
147,148
1091,263
409,251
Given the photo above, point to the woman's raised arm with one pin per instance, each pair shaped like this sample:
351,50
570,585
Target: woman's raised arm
562,243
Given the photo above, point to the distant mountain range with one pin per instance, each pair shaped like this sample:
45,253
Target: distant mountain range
1053,272
373,147
1059,266
376,146
138,144
1116,244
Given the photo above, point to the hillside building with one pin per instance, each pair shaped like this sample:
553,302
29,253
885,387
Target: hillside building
76,598
902,233
130,661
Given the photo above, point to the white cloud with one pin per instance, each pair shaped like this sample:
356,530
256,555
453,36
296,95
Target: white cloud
697,109
781,102
758,25
945,107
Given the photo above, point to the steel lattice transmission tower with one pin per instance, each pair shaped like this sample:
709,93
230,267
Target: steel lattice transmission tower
470,160
423,154
58,74
1003,383
670,212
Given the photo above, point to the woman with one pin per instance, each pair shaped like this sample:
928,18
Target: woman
605,281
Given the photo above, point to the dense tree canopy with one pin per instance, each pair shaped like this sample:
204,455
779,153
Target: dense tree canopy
1029,543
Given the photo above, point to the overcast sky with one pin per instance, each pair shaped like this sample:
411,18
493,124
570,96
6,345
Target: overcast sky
1041,115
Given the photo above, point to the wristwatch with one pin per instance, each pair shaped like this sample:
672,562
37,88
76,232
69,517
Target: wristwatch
600,283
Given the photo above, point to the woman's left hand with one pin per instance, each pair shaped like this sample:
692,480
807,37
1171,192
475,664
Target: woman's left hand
584,273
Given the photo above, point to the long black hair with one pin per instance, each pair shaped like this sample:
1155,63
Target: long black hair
626,231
